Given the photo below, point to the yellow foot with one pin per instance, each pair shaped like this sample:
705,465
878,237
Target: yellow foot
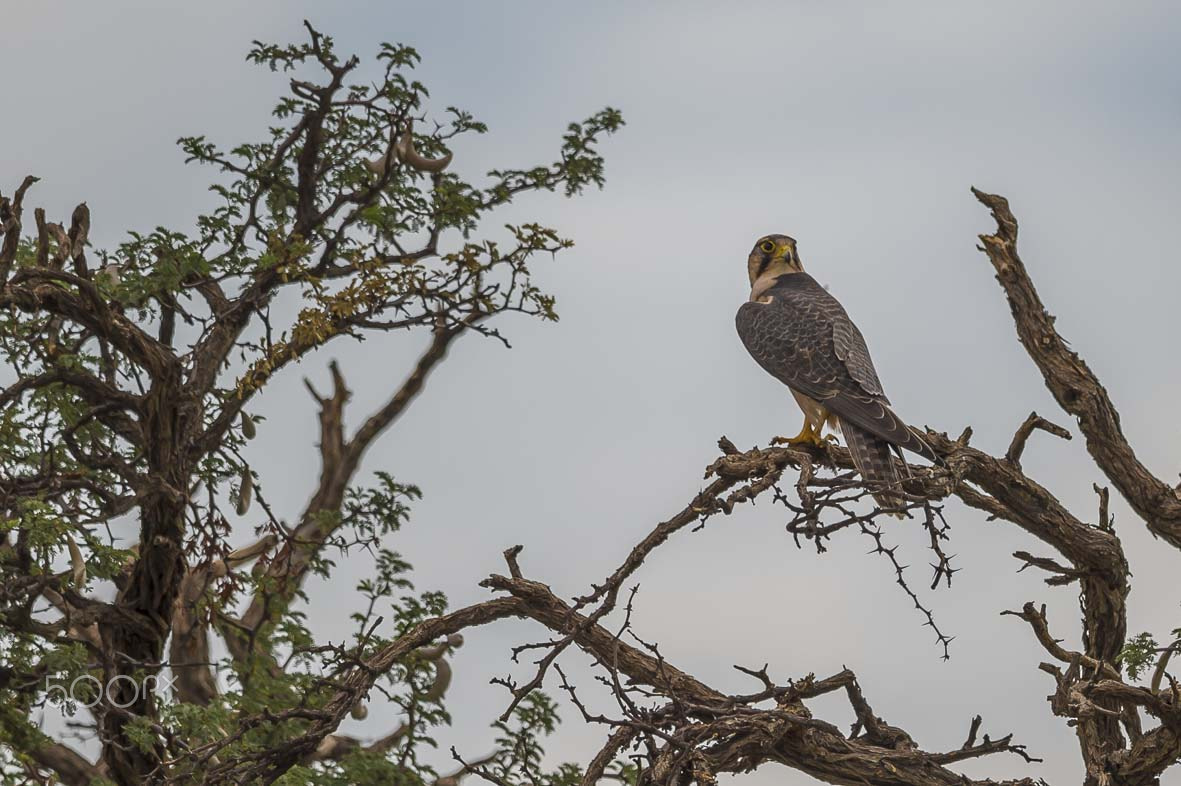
806,437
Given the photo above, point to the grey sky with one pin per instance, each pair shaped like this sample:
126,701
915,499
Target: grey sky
854,127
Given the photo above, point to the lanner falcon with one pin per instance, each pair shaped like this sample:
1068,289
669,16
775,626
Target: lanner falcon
802,336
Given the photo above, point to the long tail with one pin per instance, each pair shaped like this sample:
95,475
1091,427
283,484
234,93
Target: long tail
874,460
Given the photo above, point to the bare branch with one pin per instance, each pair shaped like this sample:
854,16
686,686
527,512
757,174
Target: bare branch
1034,421
1072,383
1041,628
340,459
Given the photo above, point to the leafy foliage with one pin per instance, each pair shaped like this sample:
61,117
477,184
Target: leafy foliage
127,414
1142,652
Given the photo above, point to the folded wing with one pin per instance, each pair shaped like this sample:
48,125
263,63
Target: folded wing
804,338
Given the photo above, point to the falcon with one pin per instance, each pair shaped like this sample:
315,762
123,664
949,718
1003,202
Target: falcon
801,335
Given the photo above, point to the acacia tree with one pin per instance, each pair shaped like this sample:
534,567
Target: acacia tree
136,374
139,375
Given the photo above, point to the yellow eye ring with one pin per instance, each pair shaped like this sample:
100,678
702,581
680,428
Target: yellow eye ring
766,246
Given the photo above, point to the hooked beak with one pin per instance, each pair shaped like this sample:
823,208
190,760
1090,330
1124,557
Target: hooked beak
783,251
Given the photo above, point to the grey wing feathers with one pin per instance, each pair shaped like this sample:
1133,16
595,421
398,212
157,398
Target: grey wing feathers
850,347
804,338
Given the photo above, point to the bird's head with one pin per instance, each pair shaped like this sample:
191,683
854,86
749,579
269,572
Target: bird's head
773,256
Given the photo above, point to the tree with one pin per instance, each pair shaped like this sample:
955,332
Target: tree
136,377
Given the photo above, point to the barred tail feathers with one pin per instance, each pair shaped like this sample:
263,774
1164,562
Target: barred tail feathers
874,460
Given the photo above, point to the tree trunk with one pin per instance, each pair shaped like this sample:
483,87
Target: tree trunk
134,639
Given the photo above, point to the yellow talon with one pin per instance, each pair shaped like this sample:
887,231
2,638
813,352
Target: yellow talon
806,437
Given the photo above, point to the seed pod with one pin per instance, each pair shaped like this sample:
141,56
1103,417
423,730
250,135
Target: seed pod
441,682
77,564
248,429
404,148
247,553
110,275
245,491
378,166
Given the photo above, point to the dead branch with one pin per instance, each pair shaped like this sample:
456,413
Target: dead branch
1034,421
340,459
1074,386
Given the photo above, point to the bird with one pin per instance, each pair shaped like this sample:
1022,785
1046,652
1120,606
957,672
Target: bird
801,335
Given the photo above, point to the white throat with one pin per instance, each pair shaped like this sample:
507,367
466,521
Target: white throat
761,285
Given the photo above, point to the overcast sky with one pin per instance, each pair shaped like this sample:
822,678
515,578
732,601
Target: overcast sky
856,128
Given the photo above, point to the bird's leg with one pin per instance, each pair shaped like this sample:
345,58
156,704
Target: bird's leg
818,421
809,435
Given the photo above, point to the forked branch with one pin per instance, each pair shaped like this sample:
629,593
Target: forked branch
1074,386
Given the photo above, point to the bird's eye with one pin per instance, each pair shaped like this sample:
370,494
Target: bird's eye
766,246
